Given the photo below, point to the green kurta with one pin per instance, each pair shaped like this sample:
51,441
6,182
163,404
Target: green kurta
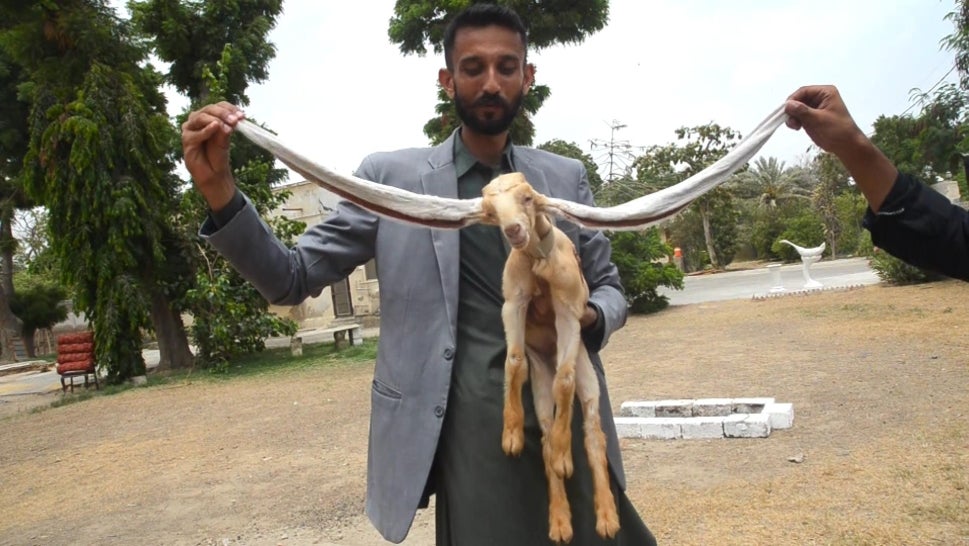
484,497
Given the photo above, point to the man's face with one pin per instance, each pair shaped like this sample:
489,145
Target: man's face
489,78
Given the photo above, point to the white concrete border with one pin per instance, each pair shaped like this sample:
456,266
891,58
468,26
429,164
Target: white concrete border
703,418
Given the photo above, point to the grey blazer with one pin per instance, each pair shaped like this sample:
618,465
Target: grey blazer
418,274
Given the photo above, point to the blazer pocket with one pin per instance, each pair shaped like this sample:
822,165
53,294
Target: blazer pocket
386,391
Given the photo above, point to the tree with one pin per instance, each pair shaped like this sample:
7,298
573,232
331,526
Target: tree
192,36
958,41
216,49
99,159
935,142
635,255
417,24
570,149
696,149
832,179
769,183
13,147
39,303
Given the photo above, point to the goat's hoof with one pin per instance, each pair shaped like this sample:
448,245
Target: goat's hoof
607,522
560,528
512,441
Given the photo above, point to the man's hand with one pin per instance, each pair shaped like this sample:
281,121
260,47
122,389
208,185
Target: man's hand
819,110
205,143
589,317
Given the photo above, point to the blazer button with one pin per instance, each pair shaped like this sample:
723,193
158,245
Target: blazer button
449,353
439,411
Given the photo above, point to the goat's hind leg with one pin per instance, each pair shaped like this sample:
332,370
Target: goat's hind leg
559,512
568,334
587,387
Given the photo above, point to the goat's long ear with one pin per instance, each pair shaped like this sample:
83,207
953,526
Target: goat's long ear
395,203
656,207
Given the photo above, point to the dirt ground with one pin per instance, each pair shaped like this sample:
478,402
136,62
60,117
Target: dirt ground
878,376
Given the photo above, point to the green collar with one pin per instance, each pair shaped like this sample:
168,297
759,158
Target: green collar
546,244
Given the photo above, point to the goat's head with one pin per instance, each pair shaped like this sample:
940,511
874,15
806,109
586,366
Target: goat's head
511,203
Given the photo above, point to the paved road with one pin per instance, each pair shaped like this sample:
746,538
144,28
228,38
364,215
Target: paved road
698,288
758,282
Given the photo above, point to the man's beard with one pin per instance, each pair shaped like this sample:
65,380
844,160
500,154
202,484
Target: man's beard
494,126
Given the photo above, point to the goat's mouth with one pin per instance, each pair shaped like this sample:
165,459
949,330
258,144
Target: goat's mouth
517,242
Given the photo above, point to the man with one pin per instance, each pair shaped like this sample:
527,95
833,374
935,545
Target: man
437,394
905,217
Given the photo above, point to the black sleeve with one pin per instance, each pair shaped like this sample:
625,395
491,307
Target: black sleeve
228,212
922,227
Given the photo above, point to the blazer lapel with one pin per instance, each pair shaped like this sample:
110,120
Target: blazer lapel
441,180
534,175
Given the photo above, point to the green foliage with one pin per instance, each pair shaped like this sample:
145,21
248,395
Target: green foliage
762,226
770,184
894,271
696,149
958,41
933,143
13,121
419,23
687,232
850,209
191,37
635,255
37,302
225,326
805,230
571,149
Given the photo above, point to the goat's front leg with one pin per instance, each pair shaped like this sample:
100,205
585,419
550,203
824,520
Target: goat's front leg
567,331
518,293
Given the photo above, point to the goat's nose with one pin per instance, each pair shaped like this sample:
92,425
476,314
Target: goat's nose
513,230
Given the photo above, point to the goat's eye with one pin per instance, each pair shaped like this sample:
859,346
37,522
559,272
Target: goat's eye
529,199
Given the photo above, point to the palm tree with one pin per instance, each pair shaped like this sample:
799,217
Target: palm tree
771,184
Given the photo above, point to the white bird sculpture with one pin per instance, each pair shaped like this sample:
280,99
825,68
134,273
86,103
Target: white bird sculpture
810,252
808,257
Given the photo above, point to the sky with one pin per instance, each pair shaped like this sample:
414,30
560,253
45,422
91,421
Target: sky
339,90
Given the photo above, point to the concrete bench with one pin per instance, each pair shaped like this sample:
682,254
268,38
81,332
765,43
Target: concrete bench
344,333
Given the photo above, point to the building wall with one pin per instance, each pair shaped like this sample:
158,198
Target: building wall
310,204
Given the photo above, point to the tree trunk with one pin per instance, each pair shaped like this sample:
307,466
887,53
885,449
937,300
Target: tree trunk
708,237
7,245
28,339
10,327
170,331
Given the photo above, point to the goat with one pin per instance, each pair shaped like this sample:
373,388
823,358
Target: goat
545,295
